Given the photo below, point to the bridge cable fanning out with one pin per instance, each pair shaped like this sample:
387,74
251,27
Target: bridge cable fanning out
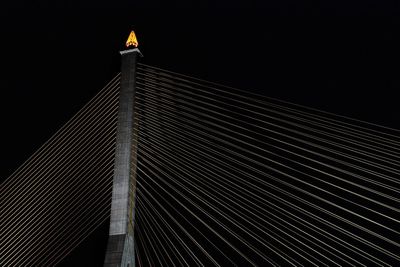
224,177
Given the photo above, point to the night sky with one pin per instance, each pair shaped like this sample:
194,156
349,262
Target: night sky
338,57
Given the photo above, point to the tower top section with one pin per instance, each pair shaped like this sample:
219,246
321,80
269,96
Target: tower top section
132,40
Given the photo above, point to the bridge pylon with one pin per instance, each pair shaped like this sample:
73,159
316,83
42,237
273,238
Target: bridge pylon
120,247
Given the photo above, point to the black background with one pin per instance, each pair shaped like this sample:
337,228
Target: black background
341,57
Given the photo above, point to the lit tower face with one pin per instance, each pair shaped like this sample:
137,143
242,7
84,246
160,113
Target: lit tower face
132,40
120,247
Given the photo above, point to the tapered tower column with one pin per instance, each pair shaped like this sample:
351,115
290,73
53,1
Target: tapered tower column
120,247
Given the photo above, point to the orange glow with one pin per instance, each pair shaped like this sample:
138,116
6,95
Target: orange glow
132,41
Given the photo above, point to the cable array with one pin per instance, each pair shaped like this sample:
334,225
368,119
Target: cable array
61,193
224,177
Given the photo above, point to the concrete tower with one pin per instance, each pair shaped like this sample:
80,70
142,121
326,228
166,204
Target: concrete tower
120,247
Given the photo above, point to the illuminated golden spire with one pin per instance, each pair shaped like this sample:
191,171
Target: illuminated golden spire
132,41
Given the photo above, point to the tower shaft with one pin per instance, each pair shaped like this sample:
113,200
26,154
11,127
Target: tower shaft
120,247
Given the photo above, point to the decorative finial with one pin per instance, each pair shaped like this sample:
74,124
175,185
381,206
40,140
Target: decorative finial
132,41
